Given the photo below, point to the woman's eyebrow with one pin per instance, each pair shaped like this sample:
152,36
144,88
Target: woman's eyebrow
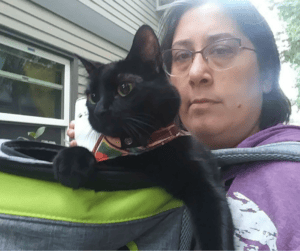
215,37
185,43
210,39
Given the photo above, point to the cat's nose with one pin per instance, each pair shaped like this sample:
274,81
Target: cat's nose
101,113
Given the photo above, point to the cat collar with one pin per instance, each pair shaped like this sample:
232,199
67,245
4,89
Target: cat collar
110,148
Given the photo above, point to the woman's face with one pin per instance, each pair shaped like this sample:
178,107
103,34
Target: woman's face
220,107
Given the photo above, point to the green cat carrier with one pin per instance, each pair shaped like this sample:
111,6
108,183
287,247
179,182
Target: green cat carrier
126,212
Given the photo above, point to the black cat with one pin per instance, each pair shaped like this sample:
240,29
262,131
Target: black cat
131,99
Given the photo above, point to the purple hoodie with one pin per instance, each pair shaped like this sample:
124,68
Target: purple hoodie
264,197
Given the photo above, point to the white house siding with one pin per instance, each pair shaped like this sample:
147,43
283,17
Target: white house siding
128,14
32,19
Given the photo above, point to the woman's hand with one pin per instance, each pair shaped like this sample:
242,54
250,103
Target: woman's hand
71,133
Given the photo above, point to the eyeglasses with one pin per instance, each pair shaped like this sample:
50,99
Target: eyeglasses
220,55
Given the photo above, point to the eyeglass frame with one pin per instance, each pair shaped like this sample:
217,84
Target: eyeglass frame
203,49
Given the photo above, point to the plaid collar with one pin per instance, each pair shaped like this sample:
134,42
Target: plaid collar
110,148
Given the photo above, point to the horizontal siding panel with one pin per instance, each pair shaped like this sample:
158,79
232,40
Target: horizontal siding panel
18,26
83,81
127,14
117,11
67,26
152,8
106,14
152,2
143,6
53,31
81,89
82,72
80,95
142,12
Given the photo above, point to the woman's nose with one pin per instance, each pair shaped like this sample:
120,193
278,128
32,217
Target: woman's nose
200,72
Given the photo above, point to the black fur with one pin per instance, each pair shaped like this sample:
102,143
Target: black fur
183,167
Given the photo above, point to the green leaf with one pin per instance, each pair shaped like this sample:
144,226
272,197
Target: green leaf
32,134
39,132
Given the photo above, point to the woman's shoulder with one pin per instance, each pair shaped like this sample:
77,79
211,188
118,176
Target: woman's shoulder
274,150
265,200
275,166
274,134
264,196
272,173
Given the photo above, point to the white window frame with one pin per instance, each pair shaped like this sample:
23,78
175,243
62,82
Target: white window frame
34,120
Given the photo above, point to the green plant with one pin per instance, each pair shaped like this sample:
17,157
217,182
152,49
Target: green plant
36,134
289,12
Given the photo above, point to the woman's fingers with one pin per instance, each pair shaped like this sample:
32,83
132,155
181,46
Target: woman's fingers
71,130
73,143
71,133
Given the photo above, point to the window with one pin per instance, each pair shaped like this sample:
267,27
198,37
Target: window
34,89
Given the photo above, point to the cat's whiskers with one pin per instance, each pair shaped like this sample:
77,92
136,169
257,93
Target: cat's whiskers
129,131
147,118
139,126
133,129
144,116
142,122
136,135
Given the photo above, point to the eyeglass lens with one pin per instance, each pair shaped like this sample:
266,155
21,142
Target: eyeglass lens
220,55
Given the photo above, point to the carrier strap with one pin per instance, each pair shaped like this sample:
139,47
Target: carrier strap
34,160
282,151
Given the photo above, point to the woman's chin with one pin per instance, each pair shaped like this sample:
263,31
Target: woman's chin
208,127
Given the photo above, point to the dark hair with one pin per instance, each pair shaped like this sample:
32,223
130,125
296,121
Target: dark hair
276,107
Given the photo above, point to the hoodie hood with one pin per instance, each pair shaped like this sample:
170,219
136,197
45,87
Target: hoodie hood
274,134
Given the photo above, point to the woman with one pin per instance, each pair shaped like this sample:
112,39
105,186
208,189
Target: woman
233,99
222,57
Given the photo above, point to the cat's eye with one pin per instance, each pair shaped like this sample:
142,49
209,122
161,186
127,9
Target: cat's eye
124,89
92,98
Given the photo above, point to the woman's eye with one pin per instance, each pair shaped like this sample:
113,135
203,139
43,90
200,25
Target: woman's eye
124,89
92,98
181,56
221,51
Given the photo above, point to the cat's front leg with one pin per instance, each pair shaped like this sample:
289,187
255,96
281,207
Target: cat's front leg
210,215
74,167
187,171
200,187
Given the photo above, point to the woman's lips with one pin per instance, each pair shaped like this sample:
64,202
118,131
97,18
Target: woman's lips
204,100
203,103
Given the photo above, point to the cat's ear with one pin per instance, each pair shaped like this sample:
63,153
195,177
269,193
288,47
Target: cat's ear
145,47
89,65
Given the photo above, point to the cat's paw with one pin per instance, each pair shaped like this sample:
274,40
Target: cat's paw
74,167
